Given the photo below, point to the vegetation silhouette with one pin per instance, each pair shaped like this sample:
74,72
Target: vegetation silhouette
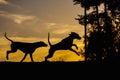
102,37
27,48
65,44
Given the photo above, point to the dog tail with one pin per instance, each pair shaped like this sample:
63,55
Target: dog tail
7,37
49,39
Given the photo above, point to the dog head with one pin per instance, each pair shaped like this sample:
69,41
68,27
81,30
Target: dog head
41,43
75,35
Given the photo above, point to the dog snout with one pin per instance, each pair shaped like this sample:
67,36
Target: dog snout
79,37
45,45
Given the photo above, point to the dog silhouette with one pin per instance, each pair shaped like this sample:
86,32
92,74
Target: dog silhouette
27,48
65,44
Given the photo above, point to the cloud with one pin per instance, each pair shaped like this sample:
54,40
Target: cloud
61,31
63,28
4,2
17,18
50,24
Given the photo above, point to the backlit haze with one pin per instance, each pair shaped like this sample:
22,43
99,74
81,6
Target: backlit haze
31,20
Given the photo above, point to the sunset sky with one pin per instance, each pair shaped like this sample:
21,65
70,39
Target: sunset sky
31,20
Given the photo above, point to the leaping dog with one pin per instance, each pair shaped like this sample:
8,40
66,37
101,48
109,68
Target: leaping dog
65,44
27,48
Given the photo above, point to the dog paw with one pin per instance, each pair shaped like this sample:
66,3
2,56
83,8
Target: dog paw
77,48
7,57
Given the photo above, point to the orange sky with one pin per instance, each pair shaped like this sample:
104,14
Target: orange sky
31,20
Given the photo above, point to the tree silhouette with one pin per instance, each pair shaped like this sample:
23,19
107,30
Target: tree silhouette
102,41
86,4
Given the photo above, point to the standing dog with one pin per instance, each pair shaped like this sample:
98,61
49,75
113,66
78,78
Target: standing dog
65,44
27,48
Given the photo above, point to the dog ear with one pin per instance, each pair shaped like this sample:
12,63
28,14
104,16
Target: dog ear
71,33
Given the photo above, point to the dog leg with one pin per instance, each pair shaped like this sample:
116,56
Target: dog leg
8,52
51,52
74,51
31,58
75,46
24,57
13,49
